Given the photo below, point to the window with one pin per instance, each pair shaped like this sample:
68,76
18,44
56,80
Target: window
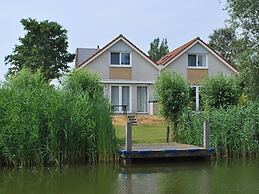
199,60
115,58
192,60
122,59
115,97
195,103
120,97
193,98
125,58
202,61
141,99
126,97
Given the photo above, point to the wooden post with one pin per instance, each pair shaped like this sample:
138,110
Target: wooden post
167,134
129,136
206,134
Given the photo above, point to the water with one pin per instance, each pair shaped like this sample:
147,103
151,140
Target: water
188,177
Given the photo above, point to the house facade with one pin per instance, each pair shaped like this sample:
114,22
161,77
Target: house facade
128,74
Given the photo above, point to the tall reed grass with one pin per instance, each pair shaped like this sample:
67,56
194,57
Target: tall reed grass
234,130
41,124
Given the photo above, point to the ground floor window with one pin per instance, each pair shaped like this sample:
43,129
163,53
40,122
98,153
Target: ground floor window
196,103
142,99
120,98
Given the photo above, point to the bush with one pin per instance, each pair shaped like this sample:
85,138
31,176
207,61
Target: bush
173,95
40,124
234,130
220,91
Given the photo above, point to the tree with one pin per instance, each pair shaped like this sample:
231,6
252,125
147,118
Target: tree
249,66
157,50
245,17
220,91
173,96
44,47
225,41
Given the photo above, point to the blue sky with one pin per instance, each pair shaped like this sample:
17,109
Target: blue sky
91,23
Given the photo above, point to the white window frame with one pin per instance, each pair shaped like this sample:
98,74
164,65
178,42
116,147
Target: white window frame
120,97
197,55
120,65
197,97
147,98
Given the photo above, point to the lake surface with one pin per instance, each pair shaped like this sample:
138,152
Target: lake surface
220,177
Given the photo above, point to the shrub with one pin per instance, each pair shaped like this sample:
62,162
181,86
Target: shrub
40,124
173,95
220,91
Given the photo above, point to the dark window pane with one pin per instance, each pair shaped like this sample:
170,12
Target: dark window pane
115,58
115,97
192,60
193,98
125,58
201,107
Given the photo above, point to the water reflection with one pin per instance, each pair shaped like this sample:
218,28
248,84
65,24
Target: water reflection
188,177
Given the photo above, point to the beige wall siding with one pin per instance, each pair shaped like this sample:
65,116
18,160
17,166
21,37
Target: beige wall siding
197,48
100,65
122,73
194,76
142,70
216,66
180,65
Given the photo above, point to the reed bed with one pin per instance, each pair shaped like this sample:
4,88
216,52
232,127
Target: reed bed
41,124
234,131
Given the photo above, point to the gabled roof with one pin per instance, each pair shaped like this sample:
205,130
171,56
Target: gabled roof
84,53
173,55
169,56
110,44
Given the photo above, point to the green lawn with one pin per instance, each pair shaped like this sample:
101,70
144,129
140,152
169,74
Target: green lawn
143,133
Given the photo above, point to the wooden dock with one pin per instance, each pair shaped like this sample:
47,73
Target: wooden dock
164,151
135,152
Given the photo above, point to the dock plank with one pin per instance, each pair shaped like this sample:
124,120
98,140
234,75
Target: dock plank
166,150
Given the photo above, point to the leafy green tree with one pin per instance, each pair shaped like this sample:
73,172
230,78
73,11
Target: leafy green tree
226,42
44,47
173,96
249,72
220,91
245,17
83,80
157,50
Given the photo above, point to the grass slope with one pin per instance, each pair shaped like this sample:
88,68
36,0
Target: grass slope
144,133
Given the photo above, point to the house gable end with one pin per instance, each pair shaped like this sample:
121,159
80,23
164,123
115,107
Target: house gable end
113,42
192,48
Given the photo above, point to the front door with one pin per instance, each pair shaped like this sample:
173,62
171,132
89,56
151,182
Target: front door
142,99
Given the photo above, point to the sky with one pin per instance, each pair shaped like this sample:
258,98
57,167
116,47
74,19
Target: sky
96,22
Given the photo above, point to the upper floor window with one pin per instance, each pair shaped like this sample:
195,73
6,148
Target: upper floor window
118,58
199,60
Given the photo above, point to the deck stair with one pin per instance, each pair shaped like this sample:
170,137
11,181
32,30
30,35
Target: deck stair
133,119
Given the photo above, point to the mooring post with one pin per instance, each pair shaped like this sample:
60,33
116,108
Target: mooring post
206,134
129,136
167,134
